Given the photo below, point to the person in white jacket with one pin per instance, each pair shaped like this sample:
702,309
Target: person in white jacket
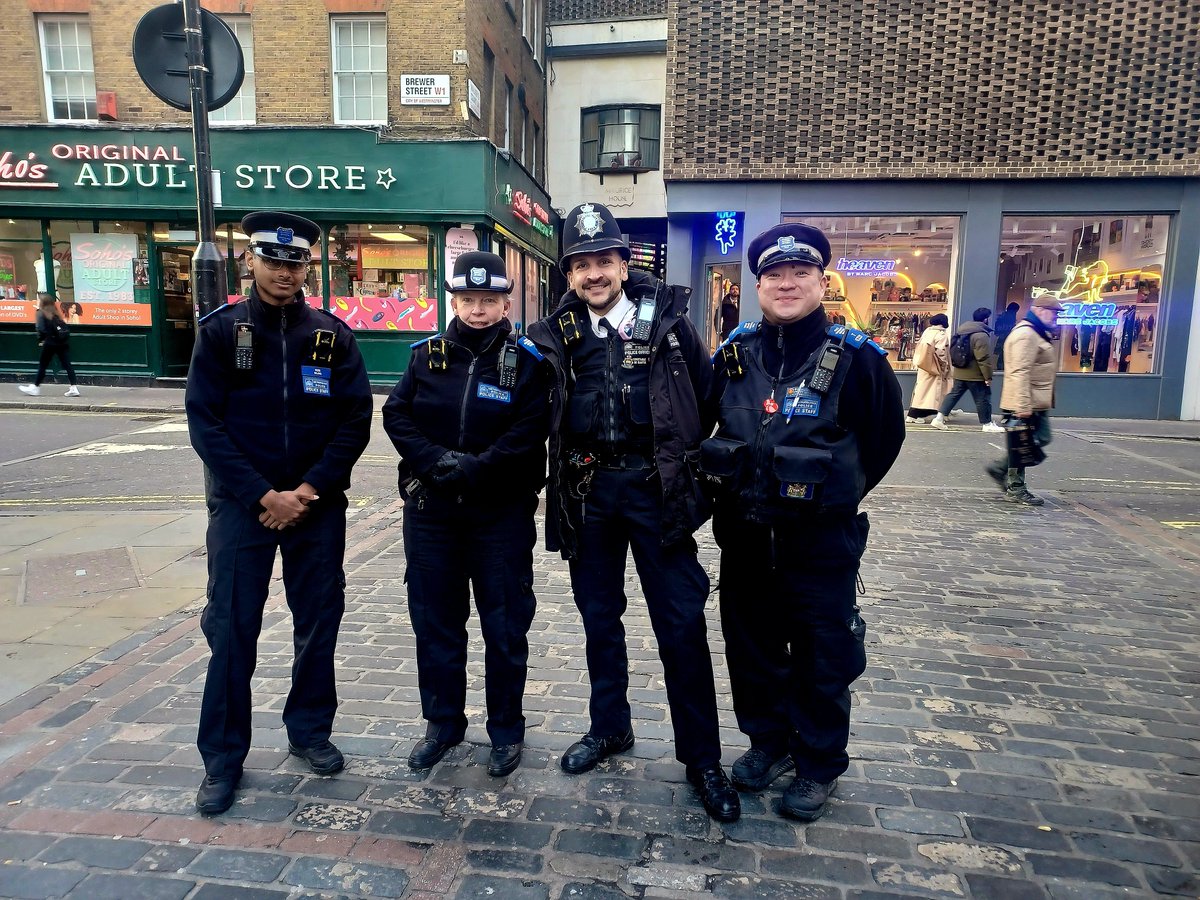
932,362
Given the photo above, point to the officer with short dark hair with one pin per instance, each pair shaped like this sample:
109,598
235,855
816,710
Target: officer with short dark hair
279,410
470,418
809,421
631,375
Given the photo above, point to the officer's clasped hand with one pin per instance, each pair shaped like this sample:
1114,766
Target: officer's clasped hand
448,470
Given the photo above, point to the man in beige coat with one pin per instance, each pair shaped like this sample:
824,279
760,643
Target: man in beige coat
1030,366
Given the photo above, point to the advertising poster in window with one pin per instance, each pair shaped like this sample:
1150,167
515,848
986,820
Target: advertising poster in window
102,268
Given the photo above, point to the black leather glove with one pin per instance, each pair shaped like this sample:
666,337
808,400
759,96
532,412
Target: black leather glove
448,470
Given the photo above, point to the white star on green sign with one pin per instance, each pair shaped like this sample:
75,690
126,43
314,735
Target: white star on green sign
386,179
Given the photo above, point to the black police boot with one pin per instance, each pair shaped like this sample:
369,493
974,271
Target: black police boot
428,751
755,769
805,799
583,755
216,794
716,793
323,758
504,759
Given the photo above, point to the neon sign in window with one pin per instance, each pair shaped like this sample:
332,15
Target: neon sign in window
726,234
866,268
1095,314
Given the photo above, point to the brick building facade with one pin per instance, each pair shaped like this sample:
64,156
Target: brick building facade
410,130
959,155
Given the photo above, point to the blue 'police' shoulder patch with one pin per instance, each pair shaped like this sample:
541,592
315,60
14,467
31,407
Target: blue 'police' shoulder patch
432,337
530,347
743,329
225,307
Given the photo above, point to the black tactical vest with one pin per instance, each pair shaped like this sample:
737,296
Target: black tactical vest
609,407
791,464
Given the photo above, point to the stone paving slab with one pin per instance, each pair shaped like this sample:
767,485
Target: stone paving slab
1028,727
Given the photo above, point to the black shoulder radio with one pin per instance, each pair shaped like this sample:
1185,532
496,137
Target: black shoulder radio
508,366
645,318
243,352
822,379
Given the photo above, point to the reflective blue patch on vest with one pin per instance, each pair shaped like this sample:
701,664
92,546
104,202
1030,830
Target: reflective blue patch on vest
526,344
432,337
855,338
743,328
220,309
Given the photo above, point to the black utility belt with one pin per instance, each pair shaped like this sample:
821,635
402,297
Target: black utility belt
632,460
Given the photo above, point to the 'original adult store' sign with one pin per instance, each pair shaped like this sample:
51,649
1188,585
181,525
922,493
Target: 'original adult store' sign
158,165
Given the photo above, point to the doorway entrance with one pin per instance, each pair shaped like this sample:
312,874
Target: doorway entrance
179,322
723,301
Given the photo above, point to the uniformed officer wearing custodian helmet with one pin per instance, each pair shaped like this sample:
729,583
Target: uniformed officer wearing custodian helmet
810,420
279,410
469,419
631,378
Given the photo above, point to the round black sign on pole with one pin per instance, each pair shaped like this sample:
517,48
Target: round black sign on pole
160,56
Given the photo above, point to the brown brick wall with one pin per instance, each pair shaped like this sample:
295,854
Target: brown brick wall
599,10
933,88
293,66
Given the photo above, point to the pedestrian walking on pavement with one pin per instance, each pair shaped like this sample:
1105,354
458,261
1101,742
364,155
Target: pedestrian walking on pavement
470,482
972,365
810,420
1028,393
279,410
931,359
1005,323
631,373
54,339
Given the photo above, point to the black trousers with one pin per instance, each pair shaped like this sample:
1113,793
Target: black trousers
453,550
793,636
241,554
48,353
623,511
981,393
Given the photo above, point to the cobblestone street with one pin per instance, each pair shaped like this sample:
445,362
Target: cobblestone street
1028,727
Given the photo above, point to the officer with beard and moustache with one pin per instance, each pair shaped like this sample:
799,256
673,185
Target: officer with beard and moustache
279,410
631,374
469,419
809,421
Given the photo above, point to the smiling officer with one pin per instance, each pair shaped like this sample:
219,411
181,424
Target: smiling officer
279,410
469,419
810,421
631,378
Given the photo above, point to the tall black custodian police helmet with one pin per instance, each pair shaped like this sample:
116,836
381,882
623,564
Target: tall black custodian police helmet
790,242
282,236
590,228
479,271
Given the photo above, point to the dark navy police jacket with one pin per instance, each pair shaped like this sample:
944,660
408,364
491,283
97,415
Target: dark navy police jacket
258,430
680,383
502,431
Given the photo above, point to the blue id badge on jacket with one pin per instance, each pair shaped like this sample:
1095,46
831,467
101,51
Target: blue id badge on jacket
316,380
801,401
491,392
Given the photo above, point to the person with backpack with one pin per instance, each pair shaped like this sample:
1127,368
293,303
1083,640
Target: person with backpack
54,337
972,365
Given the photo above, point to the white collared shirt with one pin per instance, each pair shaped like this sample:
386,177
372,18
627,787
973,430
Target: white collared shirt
622,310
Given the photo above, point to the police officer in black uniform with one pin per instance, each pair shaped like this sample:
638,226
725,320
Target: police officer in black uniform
631,377
470,419
279,410
810,420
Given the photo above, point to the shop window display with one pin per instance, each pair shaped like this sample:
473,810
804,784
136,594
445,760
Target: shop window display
889,275
100,272
380,278
20,252
1105,269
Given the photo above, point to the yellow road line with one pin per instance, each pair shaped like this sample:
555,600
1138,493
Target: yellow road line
1182,524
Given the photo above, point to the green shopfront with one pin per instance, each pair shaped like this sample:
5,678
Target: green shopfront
114,213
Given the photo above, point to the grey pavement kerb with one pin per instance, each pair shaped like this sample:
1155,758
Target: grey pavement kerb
147,399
